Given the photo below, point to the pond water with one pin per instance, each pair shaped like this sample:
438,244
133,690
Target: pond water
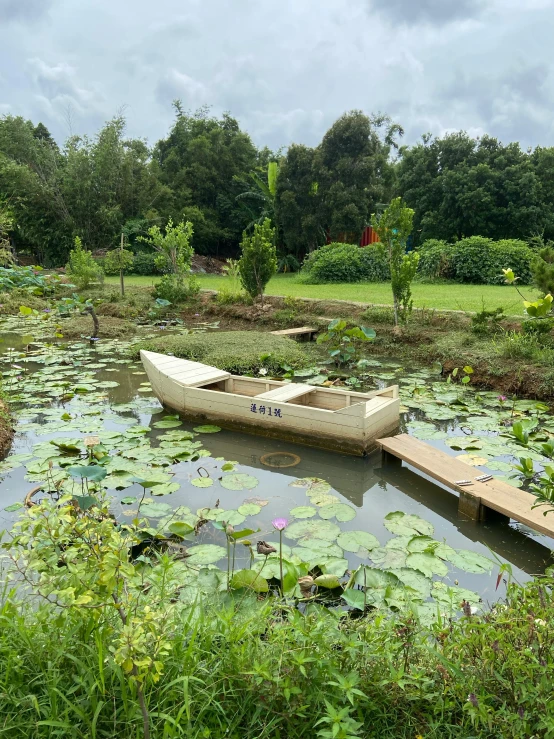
66,391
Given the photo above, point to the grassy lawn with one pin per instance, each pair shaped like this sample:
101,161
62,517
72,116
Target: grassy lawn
450,296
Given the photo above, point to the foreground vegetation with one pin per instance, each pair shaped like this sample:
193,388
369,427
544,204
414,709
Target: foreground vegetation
259,670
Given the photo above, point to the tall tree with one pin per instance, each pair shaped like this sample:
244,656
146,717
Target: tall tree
201,161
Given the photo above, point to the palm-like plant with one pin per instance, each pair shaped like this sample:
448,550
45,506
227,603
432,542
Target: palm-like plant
259,199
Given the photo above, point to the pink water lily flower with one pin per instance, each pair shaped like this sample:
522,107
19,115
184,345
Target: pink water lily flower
280,523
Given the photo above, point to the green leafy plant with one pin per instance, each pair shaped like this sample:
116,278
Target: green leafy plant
543,269
345,343
82,268
487,321
258,260
174,258
394,226
339,262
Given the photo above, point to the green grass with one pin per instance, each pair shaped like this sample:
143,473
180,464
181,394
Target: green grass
449,296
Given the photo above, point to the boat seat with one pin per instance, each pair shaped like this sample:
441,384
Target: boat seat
286,392
184,371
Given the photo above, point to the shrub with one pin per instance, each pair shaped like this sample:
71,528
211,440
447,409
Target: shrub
543,270
174,288
234,351
82,268
144,263
117,260
476,260
346,263
258,260
434,259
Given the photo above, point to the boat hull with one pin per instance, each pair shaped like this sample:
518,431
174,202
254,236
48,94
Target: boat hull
237,403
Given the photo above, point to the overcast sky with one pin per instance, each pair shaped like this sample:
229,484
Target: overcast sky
286,69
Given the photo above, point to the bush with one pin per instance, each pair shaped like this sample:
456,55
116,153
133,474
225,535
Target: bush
476,260
144,263
176,289
346,263
543,270
117,260
82,268
234,351
258,260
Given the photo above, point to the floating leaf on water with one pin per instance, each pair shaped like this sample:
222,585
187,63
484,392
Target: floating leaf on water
154,510
251,580
303,511
249,509
371,577
453,595
322,499
426,563
227,467
427,544
388,558
128,500
415,580
13,507
166,489
205,554
357,542
340,511
95,473
238,481
107,384
334,566
469,561
207,429
257,501
314,528
180,528
405,524
321,546
202,482
167,423
314,484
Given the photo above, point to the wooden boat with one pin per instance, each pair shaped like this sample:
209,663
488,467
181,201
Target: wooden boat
331,418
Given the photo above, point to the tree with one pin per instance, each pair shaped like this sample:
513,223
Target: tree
259,259
119,261
175,255
260,200
543,269
82,268
394,226
202,161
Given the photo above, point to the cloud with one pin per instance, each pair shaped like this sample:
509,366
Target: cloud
432,12
28,11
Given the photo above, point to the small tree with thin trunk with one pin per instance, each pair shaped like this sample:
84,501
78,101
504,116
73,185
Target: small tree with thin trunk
393,227
258,262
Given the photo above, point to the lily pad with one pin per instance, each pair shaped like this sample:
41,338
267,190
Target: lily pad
303,511
322,499
405,524
426,563
249,509
238,481
166,489
453,595
340,511
357,542
327,581
355,598
388,558
202,482
13,507
415,580
208,429
154,510
168,423
469,561
205,554
473,460
315,529
128,500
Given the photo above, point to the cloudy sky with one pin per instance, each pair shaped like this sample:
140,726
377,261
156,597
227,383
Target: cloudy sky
286,69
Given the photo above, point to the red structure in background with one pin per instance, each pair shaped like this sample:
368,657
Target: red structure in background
368,237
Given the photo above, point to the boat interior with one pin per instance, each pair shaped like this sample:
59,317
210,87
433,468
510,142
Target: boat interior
293,393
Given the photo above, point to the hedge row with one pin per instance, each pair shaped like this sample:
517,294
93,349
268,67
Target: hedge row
143,264
346,263
476,260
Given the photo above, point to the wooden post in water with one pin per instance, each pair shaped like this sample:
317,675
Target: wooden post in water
121,279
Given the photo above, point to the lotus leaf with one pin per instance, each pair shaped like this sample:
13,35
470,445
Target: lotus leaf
238,481
205,554
426,563
154,510
357,541
249,509
453,595
315,529
202,482
128,500
340,511
370,577
166,489
355,598
180,528
469,561
334,566
405,524
415,580
208,429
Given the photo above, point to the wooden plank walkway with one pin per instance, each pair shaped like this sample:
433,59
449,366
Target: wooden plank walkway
478,500
306,331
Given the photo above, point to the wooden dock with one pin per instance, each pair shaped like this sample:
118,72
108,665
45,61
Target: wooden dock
306,332
481,501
